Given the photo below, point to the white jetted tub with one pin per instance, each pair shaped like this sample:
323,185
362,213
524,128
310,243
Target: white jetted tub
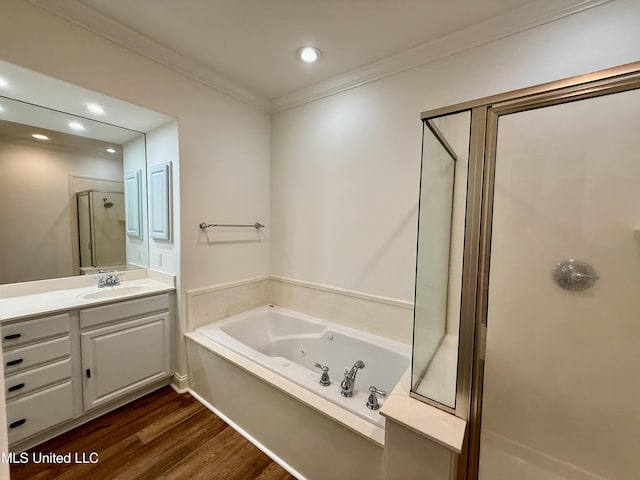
256,371
290,344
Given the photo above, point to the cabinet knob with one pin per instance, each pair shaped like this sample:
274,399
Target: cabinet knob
13,336
15,362
16,387
88,372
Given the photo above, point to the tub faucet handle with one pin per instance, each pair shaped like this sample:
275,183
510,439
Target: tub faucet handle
372,401
324,378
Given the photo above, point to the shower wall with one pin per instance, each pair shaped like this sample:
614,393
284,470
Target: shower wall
561,388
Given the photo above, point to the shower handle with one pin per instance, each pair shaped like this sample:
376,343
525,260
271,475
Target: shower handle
574,275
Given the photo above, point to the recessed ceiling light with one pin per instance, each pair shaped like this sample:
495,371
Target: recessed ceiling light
111,150
95,108
3,83
76,125
309,54
39,136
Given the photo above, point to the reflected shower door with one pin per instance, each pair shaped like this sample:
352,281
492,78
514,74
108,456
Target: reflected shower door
561,392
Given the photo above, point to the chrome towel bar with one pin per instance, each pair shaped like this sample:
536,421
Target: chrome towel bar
204,226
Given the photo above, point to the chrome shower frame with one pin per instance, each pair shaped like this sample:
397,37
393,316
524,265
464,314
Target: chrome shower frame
485,113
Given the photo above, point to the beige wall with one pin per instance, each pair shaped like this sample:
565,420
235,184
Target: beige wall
163,147
37,213
133,159
345,169
224,143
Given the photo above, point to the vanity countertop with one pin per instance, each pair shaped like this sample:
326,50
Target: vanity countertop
48,296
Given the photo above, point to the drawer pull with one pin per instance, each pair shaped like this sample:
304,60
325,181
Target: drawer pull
15,362
13,336
16,387
17,423
88,373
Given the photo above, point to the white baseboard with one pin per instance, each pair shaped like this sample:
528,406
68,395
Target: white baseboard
180,383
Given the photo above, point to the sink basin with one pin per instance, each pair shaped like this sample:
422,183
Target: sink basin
115,292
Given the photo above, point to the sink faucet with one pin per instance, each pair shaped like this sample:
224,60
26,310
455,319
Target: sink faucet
109,279
350,379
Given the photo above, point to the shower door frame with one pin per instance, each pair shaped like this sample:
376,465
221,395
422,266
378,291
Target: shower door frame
485,113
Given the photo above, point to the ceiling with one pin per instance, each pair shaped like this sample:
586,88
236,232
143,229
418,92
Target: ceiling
60,140
23,92
38,119
252,43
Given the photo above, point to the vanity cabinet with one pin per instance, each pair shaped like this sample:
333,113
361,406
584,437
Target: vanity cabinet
124,347
38,374
64,369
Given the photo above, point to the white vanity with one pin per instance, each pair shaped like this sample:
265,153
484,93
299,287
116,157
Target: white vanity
72,352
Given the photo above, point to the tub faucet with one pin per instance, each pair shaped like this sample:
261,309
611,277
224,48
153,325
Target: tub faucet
325,381
349,379
372,401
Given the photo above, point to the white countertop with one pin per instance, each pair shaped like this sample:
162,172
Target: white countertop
20,300
430,422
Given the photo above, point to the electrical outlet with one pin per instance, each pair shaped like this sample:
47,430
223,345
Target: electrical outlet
159,260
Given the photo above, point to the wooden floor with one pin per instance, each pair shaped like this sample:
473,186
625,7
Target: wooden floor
164,435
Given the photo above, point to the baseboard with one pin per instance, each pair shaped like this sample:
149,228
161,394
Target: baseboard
250,438
180,383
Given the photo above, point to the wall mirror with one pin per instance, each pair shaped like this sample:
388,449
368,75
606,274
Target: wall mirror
63,196
443,185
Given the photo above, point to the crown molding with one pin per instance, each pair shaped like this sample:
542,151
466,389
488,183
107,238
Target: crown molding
96,22
525,18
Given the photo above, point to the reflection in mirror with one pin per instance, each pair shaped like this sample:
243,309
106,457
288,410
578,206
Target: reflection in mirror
63,197
441,217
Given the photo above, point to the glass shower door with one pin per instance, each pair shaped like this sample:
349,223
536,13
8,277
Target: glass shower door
561,391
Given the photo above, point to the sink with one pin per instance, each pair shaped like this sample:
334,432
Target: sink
115,292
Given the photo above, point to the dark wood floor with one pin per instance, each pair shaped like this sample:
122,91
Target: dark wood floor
164,435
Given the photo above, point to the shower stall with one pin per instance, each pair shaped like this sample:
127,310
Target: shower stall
548,309
101,230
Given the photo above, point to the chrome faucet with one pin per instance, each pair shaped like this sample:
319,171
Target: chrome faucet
372,401
325,381
109,279
349,379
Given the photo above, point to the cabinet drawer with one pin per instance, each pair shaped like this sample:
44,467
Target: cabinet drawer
39,411
28,331
93,317
23,383
25,357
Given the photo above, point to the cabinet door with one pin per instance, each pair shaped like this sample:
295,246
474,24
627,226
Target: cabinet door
121,358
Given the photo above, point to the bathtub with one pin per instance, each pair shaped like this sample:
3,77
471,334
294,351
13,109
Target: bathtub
256,371
291,343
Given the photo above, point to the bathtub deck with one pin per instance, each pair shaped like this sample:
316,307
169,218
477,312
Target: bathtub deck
163,435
